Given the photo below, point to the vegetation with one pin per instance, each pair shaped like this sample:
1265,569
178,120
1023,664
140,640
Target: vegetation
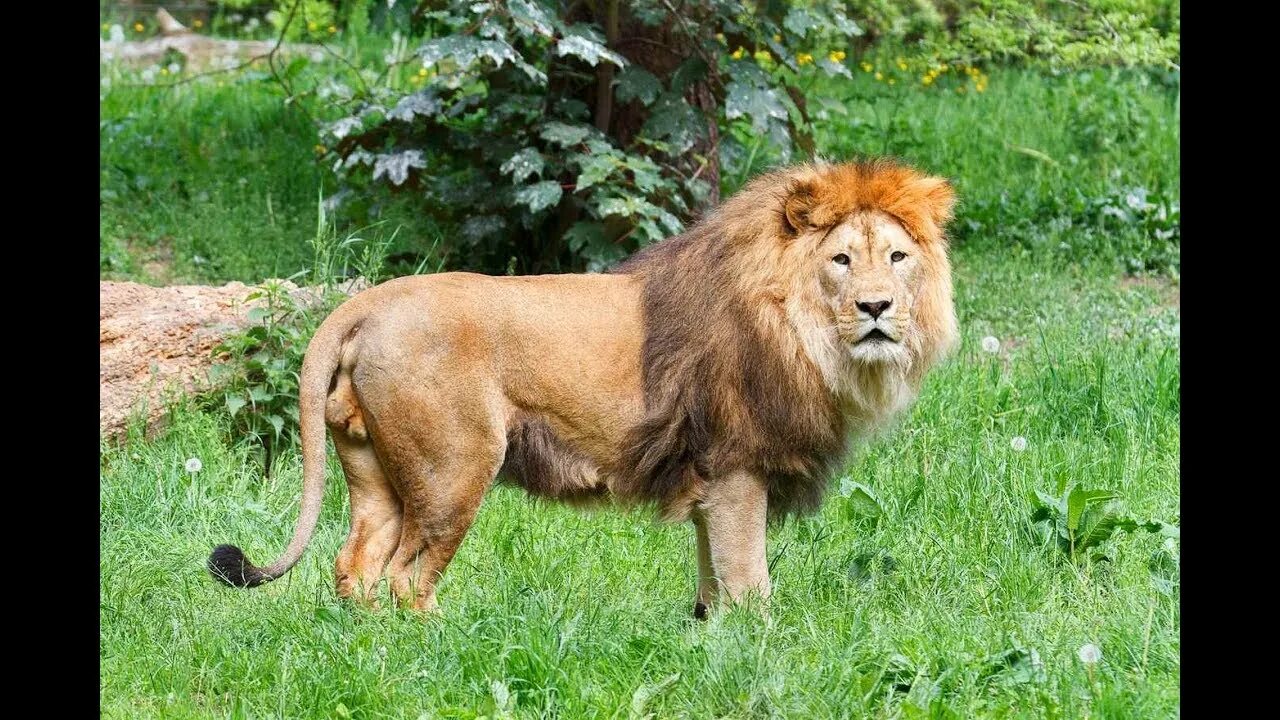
1011,550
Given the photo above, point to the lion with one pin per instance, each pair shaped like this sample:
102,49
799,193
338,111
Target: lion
720,376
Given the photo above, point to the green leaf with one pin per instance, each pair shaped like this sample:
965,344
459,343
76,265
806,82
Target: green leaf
756,102
563,134
676,122
524,163
465,50
800,21
234,403
539,196
831,67
257,314
596,168
843,24
259,394
1098,523
647,174
531,18
588,50
690,72
861,499
636,83
277,423
584,233
1079,499
419,103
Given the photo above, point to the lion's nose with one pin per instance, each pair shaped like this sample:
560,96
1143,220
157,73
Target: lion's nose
875,309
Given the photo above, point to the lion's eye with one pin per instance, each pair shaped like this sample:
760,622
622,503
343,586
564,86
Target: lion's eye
840,259
898,256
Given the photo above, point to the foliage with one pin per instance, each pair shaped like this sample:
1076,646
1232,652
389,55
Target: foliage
255,381
496,117
1080,522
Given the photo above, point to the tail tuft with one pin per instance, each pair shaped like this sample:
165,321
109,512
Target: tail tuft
228,564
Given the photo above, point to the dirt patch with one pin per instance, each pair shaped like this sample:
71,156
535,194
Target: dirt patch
1167,291
157,340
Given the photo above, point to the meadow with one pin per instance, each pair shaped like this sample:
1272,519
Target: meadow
923,588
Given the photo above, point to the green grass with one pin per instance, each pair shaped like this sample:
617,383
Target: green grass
211,183
587,615
574,612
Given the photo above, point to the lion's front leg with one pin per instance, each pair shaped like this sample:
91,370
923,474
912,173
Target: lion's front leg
730,523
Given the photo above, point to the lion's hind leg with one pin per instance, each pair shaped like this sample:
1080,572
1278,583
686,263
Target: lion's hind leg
376,519
376,511
442,493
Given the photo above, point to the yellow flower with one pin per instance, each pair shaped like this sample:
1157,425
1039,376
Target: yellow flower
422,72
777,38
320,149
902,66
980,87
312,26
837,56
333,29
198,24
926,79
164,71
879,76
866,66
105,27
737,54
804,58
416,79
720,39
763,56
138,27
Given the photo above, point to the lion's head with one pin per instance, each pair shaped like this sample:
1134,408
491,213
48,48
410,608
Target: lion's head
806,308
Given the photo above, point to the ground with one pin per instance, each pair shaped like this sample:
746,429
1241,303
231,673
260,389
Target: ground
941,603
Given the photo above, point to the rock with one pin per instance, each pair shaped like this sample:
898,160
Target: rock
202,52
159,340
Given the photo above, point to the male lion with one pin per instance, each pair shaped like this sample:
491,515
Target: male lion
719,375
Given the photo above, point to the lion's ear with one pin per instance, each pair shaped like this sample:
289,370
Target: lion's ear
938,197
798,207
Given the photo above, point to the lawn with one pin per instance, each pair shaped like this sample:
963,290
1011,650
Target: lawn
935,599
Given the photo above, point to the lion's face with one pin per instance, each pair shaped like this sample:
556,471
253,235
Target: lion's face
869,273
865,275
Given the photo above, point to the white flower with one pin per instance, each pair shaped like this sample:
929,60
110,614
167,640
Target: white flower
990,344
194,465
1089,654
174,68
1019,443
116,33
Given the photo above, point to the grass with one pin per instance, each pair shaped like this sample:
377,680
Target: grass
945,606
210,183
574,613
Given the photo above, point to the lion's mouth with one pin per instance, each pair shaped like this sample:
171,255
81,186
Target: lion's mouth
875,335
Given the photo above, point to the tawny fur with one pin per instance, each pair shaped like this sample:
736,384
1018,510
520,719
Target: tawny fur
710,375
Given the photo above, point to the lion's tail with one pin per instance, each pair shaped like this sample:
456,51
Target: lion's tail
228,562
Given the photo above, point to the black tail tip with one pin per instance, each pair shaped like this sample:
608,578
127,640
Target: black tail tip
228,564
